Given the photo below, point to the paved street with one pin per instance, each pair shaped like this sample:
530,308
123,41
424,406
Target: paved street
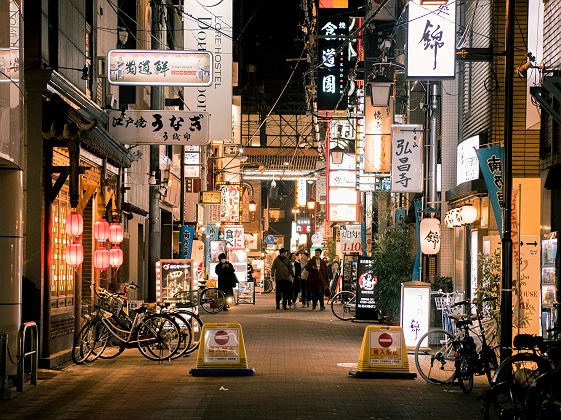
297,356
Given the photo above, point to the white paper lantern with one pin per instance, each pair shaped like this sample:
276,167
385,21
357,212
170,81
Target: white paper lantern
430,236
469,213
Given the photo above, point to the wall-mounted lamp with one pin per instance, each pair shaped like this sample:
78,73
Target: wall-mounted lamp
337,154
380,91
252,206
311,204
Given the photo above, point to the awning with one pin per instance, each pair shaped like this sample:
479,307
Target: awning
466,189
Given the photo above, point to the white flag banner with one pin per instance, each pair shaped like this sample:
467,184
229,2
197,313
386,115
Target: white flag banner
431,40
407,168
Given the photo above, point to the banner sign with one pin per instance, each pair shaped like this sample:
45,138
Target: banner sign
212,233
378,141
159,127
350,235
186,235
208,27
234,237
467,165
230,203
159,68
407,168
431,41
366,280
210,197
491,163
333,55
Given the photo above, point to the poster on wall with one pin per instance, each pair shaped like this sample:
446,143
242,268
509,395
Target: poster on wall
350,237
526,297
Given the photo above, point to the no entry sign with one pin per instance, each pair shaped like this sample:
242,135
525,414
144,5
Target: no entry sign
385,340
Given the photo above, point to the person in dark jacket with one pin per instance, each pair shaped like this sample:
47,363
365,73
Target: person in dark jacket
227,279
295,260
281,272
317,279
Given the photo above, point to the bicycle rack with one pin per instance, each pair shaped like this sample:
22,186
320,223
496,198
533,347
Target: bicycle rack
33,352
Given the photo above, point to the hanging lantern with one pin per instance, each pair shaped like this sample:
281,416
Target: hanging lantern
101,259
115,257
469,214
101,230
456,217
74,254
74,224
430,236
116,233
448,220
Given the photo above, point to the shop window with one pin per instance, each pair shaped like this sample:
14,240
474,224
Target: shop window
61,275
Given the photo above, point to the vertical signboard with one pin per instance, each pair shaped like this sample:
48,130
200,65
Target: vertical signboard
333,56
186,236
407,168
365,302
467,164
230,203
527,300
431,40
209,28
378,141
491,163
350,235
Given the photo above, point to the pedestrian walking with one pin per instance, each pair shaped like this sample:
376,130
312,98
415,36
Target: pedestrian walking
304,293
227,279
296,284
281,272
317,279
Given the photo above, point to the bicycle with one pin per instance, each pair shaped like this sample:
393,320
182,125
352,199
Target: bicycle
190,324
522,385
268,286
157,336
211,299
435,354
470,361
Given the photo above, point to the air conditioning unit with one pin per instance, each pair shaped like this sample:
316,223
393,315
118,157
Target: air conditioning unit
111,102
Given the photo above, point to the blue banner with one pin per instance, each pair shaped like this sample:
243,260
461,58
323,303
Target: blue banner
417,266
491,164
212,234
186,236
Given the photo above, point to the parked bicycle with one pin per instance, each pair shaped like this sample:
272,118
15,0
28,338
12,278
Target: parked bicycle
435,353
211,299
157,336
526,384
190,324
343,306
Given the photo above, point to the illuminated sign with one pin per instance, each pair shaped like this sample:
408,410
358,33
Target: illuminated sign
431,41
378,141
303,225
407,170
159,127
159,68
230,203
467,164
210,197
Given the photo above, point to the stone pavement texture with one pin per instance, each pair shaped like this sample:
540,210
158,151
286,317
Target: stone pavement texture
297,356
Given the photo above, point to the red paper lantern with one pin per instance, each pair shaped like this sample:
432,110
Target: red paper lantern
74,254
74,224
101,259
101,230
116,233
115,257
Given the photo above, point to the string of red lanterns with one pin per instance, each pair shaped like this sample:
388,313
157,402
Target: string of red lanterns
74,252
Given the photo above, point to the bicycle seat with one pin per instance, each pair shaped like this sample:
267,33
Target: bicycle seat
460,323
527,341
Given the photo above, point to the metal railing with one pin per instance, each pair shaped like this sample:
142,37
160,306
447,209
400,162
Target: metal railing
4,391
22,354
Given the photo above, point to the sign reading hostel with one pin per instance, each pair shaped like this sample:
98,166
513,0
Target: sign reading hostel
159,68
159,127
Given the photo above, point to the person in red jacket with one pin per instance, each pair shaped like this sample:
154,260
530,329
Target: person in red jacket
317,279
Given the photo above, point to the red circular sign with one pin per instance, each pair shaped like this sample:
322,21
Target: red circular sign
385,340
221,337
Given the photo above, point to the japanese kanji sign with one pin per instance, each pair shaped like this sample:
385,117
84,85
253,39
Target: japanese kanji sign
377,143
333,55
230,203
234,237
159,127
431,40
407,168
159,68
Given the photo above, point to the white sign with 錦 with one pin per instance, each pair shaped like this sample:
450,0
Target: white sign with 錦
159,68
431,40
159,127
208,27
407,168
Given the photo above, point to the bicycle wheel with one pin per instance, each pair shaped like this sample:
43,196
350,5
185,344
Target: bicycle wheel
499,402
434,357
158,337
464,372
544,399
522,369
213,300
343,305
86,342
185,327
196,329
113,346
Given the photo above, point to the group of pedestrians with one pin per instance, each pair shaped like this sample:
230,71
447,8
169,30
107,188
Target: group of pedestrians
298,275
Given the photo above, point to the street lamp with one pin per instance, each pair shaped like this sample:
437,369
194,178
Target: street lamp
252,206
311,204
380,91
337,155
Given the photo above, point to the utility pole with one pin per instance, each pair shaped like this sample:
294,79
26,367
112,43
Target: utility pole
155,221
506,286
